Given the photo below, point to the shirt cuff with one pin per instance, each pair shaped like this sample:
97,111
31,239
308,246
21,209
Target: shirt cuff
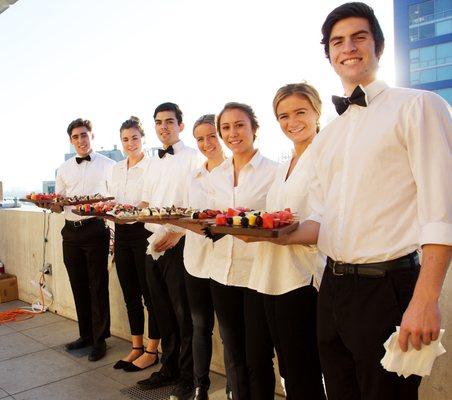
436,233
315,217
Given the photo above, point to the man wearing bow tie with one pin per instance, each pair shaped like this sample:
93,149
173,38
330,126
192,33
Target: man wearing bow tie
86,239
380,191
166,185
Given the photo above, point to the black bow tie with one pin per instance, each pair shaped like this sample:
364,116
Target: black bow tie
168,150
81,159
358,97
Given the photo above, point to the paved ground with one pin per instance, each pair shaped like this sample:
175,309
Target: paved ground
34,364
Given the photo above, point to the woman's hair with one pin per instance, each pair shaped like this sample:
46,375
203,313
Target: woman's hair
132,122
242,107
302,89
205,119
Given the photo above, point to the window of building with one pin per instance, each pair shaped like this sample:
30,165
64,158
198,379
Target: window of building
446,94
429,19
431,63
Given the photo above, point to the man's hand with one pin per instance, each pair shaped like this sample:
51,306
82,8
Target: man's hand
422,319
168,241
420,324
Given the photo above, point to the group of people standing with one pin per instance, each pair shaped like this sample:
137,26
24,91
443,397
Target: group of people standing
371,189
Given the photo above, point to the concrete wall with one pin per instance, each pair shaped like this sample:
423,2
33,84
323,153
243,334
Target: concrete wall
21,250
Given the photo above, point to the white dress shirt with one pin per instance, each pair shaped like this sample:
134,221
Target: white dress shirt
281,269
166,179
381,184
127,183
232,259
86,178
197,248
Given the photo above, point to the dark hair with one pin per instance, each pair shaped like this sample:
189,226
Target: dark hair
132,122
242,107
205,119
169,107
77,123
347,10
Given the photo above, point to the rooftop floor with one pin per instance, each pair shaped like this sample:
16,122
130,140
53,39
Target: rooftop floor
35,365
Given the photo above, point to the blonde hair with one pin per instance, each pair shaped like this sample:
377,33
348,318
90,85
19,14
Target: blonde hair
302,89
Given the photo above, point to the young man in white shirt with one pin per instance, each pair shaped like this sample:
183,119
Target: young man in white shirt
380,191
86,240
165,184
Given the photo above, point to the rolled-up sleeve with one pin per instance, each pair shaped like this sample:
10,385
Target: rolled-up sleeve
429,145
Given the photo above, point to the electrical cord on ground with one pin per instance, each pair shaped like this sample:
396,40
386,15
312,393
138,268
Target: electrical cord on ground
38,306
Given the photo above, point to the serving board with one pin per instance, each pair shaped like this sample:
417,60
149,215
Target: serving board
253,230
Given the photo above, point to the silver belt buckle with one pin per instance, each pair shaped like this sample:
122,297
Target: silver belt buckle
335,273
77,224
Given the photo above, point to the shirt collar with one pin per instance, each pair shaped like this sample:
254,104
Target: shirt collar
178,146
373,89
139,164
254,162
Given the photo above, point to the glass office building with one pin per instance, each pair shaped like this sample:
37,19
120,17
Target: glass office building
423,45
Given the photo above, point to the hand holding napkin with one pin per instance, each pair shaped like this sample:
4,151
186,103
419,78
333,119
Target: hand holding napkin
417,362
154,238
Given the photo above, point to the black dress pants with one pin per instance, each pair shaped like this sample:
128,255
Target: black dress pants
130,255
356,315
229,304
202,314
165,277
292,321
85,253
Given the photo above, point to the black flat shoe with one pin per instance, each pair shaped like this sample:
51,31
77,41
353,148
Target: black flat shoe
131,367
121,364
98,352
80,343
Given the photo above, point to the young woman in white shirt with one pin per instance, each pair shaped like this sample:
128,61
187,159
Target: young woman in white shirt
288,277
196,254
130,250
240,181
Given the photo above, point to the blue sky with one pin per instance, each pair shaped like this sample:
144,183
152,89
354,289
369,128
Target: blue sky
108,59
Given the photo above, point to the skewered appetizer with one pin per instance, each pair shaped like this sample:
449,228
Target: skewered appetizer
99,208
162,212
250,218
44,197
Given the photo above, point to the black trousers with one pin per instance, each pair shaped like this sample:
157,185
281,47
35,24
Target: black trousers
130,255
85,253
292,323
202,314
229,304
356,315
165,277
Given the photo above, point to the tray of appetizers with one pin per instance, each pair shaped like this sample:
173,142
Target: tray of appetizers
159,214
201,217
244,222
42,199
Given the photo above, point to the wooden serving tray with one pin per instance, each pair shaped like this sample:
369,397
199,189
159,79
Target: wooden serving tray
205,221
64,202
151,218
105,216
254,231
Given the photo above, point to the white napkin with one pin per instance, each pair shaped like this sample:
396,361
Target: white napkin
155,237
417,362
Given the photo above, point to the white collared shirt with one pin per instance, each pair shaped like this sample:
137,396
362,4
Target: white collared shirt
232,259
197,248
86,178
166,179
281,269
127,183
381,184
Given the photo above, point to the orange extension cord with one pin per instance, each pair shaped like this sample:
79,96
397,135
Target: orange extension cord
18,314
21,314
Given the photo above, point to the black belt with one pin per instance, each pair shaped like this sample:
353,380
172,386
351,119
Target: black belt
374,270
81,223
